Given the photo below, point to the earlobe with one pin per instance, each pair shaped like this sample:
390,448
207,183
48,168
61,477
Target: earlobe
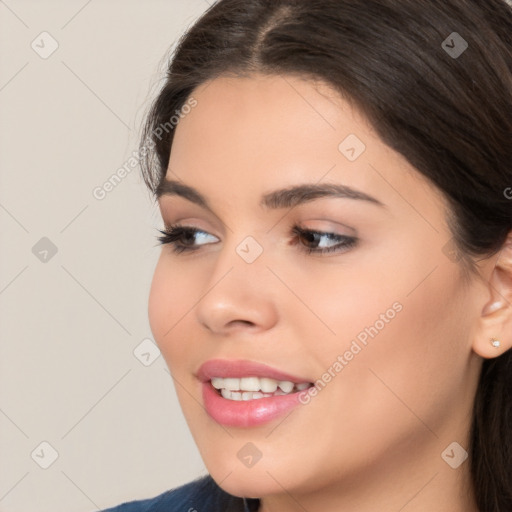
493,336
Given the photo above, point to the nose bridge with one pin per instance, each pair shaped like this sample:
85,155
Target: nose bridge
241,264
243,251
238,287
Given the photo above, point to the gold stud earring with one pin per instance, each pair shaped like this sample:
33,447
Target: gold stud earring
495,343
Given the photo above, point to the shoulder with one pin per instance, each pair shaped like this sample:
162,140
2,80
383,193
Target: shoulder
200,495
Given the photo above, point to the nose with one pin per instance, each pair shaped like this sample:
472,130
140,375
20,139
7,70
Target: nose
238,295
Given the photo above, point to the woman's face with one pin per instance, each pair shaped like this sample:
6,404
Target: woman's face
382,323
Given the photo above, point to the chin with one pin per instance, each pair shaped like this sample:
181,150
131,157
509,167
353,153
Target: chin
247,483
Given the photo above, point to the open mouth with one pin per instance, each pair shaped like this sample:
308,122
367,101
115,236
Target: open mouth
252,388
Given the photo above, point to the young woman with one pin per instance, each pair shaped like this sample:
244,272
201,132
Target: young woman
334,292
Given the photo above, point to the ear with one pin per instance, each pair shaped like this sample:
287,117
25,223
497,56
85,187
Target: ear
495,321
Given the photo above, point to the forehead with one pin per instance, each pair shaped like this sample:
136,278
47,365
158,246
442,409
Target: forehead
282,114
257,132
264,124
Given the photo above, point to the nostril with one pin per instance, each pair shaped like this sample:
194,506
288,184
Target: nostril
243,322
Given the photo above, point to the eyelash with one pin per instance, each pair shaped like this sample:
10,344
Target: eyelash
174,234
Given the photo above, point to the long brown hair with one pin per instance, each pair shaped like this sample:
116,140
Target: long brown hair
449,113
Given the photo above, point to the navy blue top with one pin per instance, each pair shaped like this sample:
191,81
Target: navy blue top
200,495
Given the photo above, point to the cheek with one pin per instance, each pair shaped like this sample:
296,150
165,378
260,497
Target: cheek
159,302
401,319
415,362
171,298
336,303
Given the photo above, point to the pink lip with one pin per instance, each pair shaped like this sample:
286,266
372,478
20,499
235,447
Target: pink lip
244,413
242,368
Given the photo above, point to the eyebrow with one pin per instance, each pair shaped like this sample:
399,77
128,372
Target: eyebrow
282,198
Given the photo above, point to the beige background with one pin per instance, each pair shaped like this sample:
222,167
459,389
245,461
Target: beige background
69,325
72,323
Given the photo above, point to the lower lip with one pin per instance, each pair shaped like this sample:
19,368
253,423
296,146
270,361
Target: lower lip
246,413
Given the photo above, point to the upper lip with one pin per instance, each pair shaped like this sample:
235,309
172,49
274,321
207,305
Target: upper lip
242,368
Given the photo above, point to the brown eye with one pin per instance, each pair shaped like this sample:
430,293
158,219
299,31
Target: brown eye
312,241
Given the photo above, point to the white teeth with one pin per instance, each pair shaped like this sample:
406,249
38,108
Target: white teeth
251,388
268,385
245,395
250,383
231,384
217,382
286,385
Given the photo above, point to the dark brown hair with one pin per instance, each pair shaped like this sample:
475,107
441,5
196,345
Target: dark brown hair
449,115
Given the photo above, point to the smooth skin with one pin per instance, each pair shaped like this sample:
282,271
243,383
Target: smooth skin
373,437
